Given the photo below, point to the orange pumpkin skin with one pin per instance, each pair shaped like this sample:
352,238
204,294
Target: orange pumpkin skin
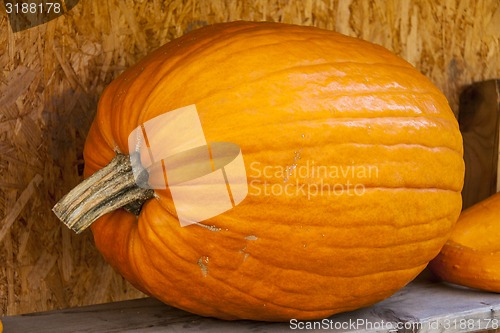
280,90
471,256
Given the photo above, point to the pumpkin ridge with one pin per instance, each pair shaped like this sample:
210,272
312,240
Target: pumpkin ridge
162,240
122,83
338,277
436,121
348,91
344,248
346,227
318,33
133,258
198,300
386,145
153,264
331,296
295,307
383,188
90,158
335,226
163,76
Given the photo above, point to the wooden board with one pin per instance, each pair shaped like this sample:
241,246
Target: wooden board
479,119
422,306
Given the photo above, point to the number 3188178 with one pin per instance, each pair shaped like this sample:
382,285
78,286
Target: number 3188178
33,8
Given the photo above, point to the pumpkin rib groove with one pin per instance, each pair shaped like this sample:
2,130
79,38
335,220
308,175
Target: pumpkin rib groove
168,248
223,281
262,47
348,92
336,247
357,226
296,307
314,40
352,93
133,234
368,187
382,248
234,38
361,87
437,122
138,281
161,273
292,38
187,261
366,119
363,144
348,277
365,186
162,240
407,122
344,227
391,225
200,55
394,245
332,296
160,70
159,86
186,51
422,146
212,277
336,120
168,79
256,258
153,264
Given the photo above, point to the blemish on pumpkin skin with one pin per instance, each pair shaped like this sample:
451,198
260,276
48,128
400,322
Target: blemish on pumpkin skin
203,263
210,227
289,169
243,251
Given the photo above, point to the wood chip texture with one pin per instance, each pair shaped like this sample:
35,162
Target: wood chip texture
51,77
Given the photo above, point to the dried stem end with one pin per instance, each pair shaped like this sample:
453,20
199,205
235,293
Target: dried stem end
108,189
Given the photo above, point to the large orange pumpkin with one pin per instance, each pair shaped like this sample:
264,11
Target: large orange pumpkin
291,97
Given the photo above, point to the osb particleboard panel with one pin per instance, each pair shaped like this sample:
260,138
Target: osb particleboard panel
51,77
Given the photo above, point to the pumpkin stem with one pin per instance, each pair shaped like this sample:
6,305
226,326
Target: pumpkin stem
108,189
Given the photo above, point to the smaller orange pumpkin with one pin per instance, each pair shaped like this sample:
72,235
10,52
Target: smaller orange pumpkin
471,256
